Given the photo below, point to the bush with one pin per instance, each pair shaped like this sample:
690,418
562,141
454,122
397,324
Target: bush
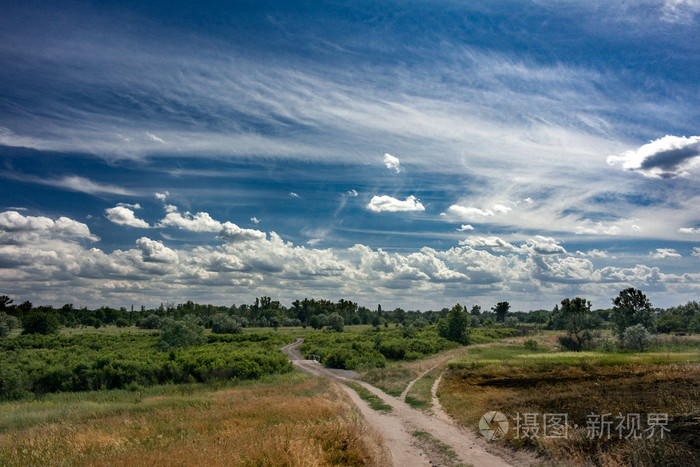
152,321
336,322
531,344
178,334
40,323
636,337
225,324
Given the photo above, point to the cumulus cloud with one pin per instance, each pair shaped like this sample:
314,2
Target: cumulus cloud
162,196
392,162
13,223
387,203
254,220
667,157
662,253
545,246
696,252
200,222
689,230
232,233
468,213
465,227
154,251
124,216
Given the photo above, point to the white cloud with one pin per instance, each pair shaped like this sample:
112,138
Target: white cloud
662,253
689,230
125,216
545,246
696,252
154,251
465,227
353,193
76,183
254,220
501,208
232,233
387,203
594,254
494,243
12,222
469,213
293,195
200,222
155,138
667,157
131,206
314,241
392,162
162,196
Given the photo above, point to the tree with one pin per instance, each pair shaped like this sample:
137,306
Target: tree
454,326
222,323
501,308
578,320
476,310
40,323
7,324
632,307
336,322
184,333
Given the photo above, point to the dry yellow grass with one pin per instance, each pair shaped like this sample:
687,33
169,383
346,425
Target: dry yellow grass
297,421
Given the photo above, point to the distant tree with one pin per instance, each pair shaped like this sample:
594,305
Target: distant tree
315,322
40,323
335,322
184,333
511,321
7,323
578,320
476,310
632,307
5,302
454,326
501,308
122,323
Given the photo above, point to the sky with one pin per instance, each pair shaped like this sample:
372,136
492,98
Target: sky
411,154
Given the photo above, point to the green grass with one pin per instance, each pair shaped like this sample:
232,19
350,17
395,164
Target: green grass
109,329
374,401
445,454
420,396
518,355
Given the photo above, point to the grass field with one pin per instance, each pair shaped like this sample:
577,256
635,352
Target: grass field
516,381
284,420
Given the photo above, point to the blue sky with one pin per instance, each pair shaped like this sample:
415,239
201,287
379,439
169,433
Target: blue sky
412,154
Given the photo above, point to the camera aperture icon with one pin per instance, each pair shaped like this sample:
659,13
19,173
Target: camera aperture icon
493,425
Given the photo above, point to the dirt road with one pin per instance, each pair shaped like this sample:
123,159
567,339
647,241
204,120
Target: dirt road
399,425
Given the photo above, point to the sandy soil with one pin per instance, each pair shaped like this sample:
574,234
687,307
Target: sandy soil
397,427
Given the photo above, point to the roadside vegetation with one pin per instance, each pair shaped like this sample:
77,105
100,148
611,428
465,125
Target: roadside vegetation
366,395
287,419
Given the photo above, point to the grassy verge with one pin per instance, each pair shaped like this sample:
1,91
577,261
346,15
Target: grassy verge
420,396
287,419
440,453
374,401
516,381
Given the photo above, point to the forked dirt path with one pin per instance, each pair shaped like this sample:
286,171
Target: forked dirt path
397,427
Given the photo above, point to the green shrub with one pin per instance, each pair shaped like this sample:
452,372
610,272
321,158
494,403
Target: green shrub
636,337
7,324
40,323
531,344
184,333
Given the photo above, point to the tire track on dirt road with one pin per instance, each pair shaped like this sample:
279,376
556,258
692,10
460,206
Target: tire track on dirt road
398,426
